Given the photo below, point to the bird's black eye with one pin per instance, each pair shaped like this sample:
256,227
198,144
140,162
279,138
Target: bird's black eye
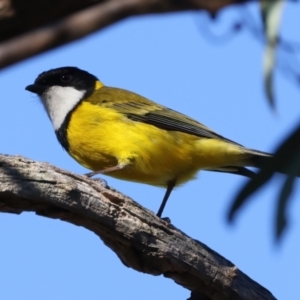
66,78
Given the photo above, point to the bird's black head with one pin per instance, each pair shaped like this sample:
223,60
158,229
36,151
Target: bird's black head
64,77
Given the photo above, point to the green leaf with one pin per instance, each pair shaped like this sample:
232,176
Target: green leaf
271,11
285,196
286,160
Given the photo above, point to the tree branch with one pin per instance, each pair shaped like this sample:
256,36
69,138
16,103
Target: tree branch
52,25
141,240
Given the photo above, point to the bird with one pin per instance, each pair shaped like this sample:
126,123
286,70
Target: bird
121,134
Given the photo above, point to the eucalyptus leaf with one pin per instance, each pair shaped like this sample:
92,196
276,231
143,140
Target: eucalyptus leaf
286,160
271,12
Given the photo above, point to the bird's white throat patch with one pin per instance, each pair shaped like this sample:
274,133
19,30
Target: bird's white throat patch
59,101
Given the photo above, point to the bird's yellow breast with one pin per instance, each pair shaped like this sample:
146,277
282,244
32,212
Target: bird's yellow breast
101,137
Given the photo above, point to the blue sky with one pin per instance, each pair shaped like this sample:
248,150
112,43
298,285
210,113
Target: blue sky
164,58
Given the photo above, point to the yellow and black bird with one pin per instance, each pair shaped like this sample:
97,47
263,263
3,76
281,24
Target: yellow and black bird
117,132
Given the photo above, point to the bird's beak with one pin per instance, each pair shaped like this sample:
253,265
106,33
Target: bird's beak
35,88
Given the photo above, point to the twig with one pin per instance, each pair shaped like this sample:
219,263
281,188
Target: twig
87,21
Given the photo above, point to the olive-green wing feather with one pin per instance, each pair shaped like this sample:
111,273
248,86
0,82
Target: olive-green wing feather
140,109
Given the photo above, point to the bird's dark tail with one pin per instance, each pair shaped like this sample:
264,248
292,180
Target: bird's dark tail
260,159
254,158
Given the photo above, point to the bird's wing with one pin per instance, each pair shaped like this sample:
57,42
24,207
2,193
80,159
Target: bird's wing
140,109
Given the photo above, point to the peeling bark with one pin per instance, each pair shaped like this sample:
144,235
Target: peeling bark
141,240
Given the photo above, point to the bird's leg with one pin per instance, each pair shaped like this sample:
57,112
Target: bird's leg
170,187
107,170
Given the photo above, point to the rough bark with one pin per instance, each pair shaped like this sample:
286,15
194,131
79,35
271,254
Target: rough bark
31,27
141,240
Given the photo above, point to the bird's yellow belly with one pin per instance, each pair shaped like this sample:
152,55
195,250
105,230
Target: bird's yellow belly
100,138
